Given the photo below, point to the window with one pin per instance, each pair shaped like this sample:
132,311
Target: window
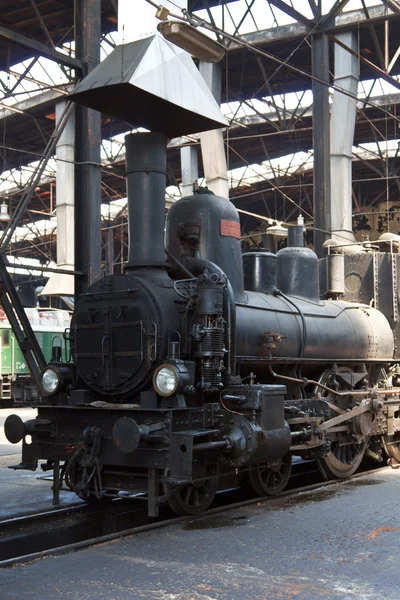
5,338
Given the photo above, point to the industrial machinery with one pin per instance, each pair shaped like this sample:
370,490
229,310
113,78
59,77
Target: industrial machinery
183,378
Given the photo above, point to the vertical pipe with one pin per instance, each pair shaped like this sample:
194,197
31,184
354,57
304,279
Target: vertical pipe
343,120
322,175
65,191
56,483
87,154
58,283
146,162
212,142
109,252
189,169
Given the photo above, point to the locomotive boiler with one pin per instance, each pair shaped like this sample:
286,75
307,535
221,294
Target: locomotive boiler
183,378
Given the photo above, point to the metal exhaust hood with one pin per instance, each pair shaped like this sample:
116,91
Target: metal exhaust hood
151,83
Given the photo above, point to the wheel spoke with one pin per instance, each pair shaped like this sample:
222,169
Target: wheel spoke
193,499
188,494
268,482
268,479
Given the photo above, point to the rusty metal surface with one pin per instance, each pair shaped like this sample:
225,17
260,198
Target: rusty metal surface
329,544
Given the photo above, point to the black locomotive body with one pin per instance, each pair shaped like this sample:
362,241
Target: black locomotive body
181,377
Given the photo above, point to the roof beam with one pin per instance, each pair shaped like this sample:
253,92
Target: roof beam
314,9
374,36
393,4
354,18
292,12
333,13
41,49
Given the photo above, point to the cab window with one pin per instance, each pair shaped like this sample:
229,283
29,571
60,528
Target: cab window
5,338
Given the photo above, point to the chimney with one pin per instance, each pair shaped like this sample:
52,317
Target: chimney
146,163
153,84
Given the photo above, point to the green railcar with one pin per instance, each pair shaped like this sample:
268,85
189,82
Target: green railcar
16,384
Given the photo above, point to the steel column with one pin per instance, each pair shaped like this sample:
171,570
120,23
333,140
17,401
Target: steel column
87,154
321,141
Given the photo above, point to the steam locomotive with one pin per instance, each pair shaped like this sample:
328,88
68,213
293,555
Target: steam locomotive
199,366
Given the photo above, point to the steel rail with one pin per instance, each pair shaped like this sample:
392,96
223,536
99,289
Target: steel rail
23,519
157,524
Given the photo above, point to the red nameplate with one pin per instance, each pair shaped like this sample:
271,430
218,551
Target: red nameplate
230,228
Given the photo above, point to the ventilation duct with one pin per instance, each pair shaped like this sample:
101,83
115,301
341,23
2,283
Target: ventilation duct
61,284
343,119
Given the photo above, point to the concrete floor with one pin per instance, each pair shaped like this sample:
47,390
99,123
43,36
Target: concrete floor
22,492
336,543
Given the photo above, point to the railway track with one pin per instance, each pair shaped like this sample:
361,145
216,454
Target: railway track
58,531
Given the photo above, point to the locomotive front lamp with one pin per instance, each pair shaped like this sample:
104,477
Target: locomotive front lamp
165,380
50,380
56,378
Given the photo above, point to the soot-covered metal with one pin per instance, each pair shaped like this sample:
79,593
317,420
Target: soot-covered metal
183,379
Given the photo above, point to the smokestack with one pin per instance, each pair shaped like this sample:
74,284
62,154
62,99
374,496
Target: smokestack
146,177
153,84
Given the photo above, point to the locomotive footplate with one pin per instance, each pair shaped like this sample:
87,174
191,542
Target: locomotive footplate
139,449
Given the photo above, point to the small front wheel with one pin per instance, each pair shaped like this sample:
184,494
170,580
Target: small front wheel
271,479
193,498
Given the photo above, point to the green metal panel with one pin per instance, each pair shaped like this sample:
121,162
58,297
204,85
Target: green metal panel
12,359
7,342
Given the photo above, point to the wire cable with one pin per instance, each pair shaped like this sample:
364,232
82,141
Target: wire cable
194,20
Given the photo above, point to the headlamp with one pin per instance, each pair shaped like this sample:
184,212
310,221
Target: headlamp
56,378
165,380
50,380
